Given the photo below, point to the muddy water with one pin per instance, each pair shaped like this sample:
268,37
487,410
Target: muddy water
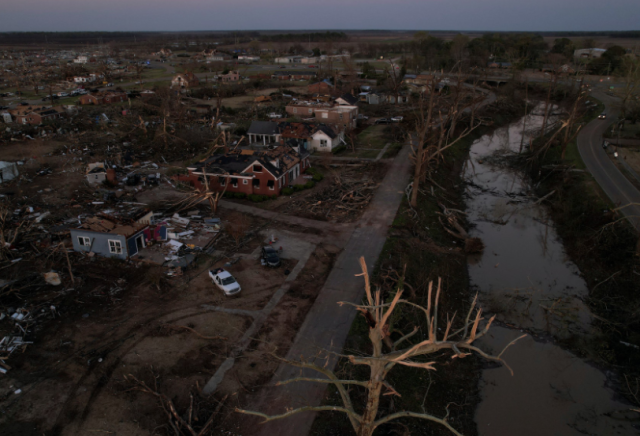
524,277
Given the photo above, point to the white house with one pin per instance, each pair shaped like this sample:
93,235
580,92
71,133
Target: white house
326,139
81,60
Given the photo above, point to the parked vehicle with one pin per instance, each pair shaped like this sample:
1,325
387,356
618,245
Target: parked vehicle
602,116
109,84
383,121
362,117
397,119
270,256
225,281
63,94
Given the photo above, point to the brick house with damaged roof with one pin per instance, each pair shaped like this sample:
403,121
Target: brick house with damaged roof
103,97
249,172
35,115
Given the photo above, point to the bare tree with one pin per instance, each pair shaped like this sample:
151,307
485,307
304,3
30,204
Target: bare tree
422,127
378,314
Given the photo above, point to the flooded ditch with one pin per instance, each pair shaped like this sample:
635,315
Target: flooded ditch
524,277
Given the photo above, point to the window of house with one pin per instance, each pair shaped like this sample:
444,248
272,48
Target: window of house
234,182
115,247
84,241
340,116
222,181
271,184
323,143
325,115
257,168
245,181
295,110
256,183
310,110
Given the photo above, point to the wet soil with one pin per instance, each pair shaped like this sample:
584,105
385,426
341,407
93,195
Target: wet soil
525,278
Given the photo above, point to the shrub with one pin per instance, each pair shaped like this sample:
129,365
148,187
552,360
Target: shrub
317,175
310,184
240,195
287,191
257,198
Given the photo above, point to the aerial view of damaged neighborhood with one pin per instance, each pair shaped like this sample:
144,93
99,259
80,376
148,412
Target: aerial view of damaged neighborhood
296,219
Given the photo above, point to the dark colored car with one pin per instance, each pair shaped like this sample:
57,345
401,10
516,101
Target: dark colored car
270,256
24,103
383,121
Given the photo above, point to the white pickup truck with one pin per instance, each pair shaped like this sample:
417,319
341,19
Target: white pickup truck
225,281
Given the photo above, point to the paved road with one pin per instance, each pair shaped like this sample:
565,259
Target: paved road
619,189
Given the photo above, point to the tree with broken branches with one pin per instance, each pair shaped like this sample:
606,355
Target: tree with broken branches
192,422
205,193
387,354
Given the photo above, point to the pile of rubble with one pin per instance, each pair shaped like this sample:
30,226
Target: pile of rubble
344,201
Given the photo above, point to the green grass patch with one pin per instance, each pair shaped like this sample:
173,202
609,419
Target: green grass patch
372,137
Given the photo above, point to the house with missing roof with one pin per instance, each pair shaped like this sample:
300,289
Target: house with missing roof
185,80
110,237
250,172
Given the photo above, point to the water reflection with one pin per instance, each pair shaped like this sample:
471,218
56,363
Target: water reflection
525,278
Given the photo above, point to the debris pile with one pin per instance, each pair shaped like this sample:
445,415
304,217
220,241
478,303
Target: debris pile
344,201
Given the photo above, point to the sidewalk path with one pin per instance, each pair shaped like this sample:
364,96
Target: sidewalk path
327,324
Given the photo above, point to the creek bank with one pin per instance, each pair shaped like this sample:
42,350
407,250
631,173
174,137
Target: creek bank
605,247
525,278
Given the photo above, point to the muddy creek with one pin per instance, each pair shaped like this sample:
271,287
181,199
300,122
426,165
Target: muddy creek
524,277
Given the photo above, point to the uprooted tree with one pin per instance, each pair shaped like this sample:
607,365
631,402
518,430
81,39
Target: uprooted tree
386,355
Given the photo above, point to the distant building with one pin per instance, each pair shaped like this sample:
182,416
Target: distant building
324,87
35,115
103,97
589,53
248,58
185,80
294,75
231,76
342,116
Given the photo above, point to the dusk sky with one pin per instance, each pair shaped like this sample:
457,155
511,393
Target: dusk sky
517,15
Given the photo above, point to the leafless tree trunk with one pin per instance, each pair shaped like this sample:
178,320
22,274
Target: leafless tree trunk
378,313
423,125
547,104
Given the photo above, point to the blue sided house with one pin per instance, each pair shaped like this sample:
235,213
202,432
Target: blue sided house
113,238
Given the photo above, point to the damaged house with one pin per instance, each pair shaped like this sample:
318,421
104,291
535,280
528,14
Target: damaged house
250,172
111,237
185,80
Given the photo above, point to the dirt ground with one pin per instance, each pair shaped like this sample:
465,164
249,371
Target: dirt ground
77,378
